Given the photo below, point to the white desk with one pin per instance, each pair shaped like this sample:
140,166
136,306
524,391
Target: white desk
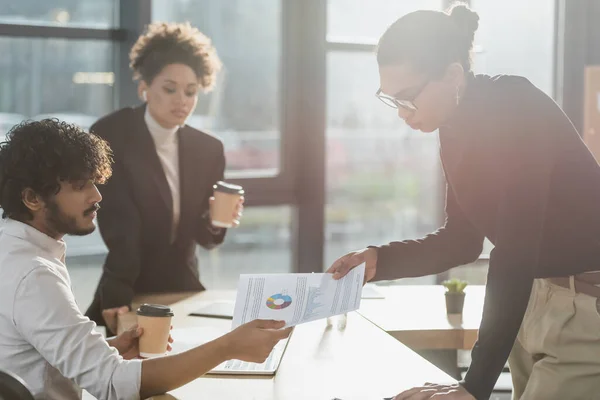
359,362
416,316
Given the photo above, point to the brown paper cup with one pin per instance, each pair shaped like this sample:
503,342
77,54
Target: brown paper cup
155,320
226,197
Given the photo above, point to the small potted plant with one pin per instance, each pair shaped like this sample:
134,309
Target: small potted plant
455,295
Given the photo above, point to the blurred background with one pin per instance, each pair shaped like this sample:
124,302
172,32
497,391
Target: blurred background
327,168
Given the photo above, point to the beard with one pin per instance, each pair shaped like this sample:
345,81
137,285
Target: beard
62,223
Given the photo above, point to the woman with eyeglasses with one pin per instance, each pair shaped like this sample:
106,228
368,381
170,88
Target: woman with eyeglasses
517,173
156,206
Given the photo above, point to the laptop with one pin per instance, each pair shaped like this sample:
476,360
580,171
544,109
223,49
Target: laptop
267,368
187,338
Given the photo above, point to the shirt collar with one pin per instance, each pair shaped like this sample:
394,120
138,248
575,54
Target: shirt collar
161,136
57,248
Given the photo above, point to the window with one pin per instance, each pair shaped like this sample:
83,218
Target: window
68,79
244,111
365,21
88,13
526,49
261,244
244,107
383,179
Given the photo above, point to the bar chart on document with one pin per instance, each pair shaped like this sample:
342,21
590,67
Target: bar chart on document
296,298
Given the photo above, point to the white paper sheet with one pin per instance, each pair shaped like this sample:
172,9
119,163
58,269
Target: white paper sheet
296,298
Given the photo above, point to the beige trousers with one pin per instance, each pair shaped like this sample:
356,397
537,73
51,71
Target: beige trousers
557,353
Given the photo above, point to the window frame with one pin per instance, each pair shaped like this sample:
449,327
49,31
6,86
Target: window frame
305,45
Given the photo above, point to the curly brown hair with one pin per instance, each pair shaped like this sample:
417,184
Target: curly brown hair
40,154
174,43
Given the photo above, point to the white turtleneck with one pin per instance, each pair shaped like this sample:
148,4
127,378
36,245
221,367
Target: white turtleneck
166,143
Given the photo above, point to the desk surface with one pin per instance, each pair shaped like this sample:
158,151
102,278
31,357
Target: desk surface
358,362
416,316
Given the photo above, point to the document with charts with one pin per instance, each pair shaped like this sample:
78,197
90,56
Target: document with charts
296,298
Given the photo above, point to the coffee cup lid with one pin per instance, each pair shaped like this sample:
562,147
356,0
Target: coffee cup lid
228,188
155,310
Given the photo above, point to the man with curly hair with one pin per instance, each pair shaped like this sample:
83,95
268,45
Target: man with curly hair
156,207
48,176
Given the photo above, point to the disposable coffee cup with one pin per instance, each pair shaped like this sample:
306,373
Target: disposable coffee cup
155,320
227,197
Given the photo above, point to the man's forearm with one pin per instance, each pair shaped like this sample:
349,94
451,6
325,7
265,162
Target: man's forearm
159,375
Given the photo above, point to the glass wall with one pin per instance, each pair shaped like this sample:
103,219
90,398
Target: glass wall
244,107
365,21
526,49
72,80
75,13
261,244
383,180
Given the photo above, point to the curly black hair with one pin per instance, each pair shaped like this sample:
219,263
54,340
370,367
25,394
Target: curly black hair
174,43
40,154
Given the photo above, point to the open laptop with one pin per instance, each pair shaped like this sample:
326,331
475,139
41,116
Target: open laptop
187,338
269,367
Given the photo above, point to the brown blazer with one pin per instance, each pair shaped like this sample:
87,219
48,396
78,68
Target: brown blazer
136,211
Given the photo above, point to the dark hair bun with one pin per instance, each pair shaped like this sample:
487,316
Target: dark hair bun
466,20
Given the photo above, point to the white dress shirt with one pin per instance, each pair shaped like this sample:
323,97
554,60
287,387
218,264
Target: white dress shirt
44,338
167,148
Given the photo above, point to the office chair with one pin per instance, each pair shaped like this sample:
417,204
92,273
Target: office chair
13,388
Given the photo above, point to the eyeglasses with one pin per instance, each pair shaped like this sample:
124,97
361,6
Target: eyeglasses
406,104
